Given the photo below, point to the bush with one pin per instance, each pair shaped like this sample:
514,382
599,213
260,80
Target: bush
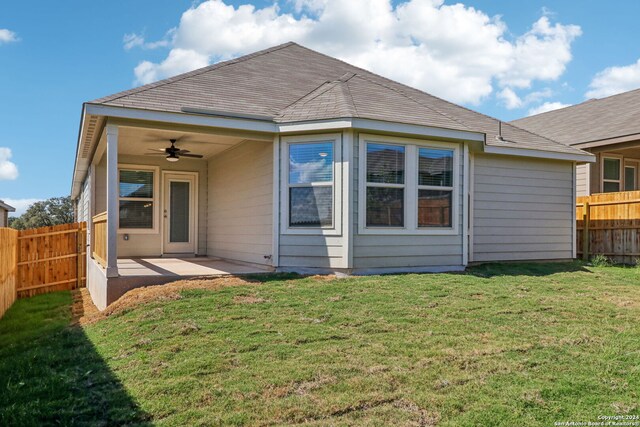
601,261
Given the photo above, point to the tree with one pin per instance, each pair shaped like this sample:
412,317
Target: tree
57,210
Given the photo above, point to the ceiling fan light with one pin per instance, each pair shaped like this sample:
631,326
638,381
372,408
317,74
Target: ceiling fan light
172,158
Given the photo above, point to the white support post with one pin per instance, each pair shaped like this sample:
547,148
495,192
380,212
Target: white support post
112,201
275,231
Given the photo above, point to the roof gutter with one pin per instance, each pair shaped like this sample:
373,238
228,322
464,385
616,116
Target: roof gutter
75,164
527,152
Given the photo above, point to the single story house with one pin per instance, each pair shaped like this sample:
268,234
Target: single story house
4,213
290,160
607,127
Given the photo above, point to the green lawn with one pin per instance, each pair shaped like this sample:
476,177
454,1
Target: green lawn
499,345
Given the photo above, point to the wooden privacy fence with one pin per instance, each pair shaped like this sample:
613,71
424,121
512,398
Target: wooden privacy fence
41,260
609,224
8,267
99,234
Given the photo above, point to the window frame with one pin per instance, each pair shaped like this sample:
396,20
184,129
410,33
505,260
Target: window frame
411,186
336,184
631,165
620,180
155,200
402,186
435,188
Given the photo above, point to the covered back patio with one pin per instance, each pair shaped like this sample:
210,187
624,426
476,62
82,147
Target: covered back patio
153,218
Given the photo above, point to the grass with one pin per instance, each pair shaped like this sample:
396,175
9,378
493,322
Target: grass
526,344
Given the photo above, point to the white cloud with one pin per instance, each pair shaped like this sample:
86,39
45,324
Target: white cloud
547,106
512,101
7,36
510,98
8,169
614,80
178,61
453,51
540,54
133,40
21,205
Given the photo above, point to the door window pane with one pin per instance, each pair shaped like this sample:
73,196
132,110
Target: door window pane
629,178
179,212
385,207
434,208
310,206
138,184
612,169
310,163
385,164
435,167
136,214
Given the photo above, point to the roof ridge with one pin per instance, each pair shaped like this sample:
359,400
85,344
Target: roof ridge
346,92
428,94
327,83
591,100
414,100
192,73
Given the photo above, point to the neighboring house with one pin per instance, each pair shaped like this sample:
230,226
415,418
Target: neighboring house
4,213
609,128
313,165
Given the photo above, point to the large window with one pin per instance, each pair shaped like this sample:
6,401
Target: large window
435,187
310,184
611,174
136,199
407,186
385,185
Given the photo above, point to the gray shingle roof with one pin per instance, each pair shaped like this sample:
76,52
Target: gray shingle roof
6,207
593,120
292,83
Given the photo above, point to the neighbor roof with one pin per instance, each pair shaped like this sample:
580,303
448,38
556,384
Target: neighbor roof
6,207
593,120
290,83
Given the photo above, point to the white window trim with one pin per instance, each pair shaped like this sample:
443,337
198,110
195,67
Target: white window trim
336,228
635,176
410,185
156,199
620,179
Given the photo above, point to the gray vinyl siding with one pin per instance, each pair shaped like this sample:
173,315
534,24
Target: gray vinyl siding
523,209
240,223
582,179
84,201
397,251
311,251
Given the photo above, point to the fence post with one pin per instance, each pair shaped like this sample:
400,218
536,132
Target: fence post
585,231
78,255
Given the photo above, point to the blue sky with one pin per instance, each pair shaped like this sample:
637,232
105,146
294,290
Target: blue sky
55,55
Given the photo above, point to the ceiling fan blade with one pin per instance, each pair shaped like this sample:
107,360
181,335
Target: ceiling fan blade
182,152
155,154
195,156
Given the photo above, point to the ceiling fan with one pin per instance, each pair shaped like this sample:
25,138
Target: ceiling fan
173,153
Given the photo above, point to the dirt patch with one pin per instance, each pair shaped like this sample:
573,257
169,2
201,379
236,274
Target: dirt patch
85,312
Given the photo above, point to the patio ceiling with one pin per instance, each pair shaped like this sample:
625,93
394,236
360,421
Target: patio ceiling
140,141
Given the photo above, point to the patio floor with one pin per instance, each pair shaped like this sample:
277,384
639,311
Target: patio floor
183,267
